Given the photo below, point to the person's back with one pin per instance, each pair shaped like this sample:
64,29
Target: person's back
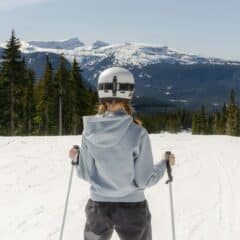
116,159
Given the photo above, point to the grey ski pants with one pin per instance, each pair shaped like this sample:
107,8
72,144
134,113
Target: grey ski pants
131,220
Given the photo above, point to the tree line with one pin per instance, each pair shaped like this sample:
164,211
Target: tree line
170,121
54,105
226,121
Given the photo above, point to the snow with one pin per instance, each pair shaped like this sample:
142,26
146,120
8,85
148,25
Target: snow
144,75
122,54
35,172
179,100
99,44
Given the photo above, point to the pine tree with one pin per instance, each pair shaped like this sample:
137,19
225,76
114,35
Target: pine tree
4,106
232,118
203,121
12,81
196,124
223,119
21,85
216,123
79,100
60,81
29,103
210,123
45,100
76,101
47,91
200,122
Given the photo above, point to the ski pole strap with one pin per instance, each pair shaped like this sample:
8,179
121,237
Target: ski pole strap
77,161
169,169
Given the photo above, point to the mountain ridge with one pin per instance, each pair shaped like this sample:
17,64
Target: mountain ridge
160,72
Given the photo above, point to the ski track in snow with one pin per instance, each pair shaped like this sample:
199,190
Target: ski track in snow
35,173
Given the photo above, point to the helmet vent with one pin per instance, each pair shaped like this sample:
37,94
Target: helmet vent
114,89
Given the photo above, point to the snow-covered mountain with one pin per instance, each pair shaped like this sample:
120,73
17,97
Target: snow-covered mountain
160,72
124,54
99,44
34,174
69,44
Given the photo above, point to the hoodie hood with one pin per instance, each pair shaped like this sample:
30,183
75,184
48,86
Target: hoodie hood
106,130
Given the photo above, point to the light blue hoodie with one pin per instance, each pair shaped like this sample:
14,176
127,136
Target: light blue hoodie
116,158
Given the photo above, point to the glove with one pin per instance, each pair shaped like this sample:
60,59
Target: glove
171,158
74,154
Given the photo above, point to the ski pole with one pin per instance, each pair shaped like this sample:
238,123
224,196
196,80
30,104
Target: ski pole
68,192
169,181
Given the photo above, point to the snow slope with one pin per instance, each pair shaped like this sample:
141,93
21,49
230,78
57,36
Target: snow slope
34,174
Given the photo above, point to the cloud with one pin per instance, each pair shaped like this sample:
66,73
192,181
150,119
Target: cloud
9,4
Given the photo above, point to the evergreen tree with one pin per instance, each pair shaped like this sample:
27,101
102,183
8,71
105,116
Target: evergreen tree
4,106
223,120
12,81
238,121
60,81
79,100
203,121
196,124
45,101
20,102
76,99
216,123
232,118
210,124
29,103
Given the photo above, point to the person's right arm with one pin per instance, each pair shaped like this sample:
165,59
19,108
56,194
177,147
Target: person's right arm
86,162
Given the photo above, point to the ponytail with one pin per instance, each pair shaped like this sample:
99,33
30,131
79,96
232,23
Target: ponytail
102,108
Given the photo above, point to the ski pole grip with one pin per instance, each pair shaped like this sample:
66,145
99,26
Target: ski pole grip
169,169
78,149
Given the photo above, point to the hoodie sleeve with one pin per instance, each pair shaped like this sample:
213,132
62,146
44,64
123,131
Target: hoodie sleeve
146,173
86,163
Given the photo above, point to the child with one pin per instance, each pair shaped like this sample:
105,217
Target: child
116,159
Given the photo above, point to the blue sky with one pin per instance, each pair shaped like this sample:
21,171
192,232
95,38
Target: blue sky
206,27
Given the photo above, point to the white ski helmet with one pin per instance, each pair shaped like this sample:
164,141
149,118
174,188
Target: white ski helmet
115,83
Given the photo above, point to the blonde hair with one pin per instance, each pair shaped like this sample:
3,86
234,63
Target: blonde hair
103,107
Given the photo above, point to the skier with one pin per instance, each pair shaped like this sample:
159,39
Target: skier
115,157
